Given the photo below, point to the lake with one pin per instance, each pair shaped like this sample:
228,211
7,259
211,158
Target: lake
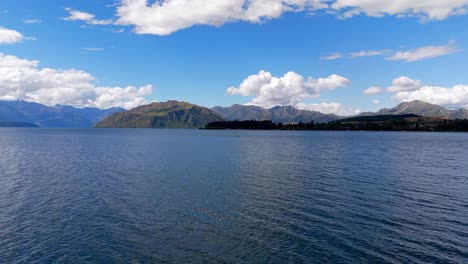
195,196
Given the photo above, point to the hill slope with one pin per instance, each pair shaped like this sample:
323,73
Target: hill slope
278,114
422,109
52,116
170,114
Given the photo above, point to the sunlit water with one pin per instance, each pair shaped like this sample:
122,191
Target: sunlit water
179,196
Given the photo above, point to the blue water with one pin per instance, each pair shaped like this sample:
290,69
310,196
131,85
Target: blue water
190,196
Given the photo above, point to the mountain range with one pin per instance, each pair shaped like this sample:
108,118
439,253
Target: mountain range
422,109
59,116
16,124
175,114
170,114
277,114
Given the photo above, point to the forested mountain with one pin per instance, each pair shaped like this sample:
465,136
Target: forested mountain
175,114
277,114
170,114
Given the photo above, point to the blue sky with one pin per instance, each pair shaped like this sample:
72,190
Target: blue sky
128,46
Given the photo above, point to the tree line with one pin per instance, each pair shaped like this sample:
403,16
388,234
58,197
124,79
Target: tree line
455,125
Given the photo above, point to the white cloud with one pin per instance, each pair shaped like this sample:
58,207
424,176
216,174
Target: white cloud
329,108
424,9
23,79
372,90
118,30
406,89
400,84
164,17
128,97
423,53
368,53
404,83
167,16
93,49
76,15
291,89
376,101
32,21
454,97
333,56
9,36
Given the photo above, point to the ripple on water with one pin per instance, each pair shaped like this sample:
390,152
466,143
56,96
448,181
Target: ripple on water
189,196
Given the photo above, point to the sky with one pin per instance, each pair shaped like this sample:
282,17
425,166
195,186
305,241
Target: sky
333,56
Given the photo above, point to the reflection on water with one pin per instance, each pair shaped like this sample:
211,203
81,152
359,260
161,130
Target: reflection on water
77,196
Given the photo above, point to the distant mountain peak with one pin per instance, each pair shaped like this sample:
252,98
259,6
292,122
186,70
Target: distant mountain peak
416,103
277,114
52,116
422,108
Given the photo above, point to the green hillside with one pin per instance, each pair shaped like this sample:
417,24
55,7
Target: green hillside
170,114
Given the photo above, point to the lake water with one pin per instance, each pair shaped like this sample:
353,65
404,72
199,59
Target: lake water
192,196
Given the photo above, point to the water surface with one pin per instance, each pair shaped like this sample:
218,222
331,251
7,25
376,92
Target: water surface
180,196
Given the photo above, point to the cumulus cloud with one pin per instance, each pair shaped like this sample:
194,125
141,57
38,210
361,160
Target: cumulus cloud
400,84
22,79
291,89
75,15
9,36
333,56
128,97
404,83
423,53
165,17
406,89
329,108
454,97
372,90
424,9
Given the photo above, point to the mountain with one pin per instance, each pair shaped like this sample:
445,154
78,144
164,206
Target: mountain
278,114
170,114
422,109
16,124
52,116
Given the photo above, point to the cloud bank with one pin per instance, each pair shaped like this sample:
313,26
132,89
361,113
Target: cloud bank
405,89
22,79
425,10
329,108
164,17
